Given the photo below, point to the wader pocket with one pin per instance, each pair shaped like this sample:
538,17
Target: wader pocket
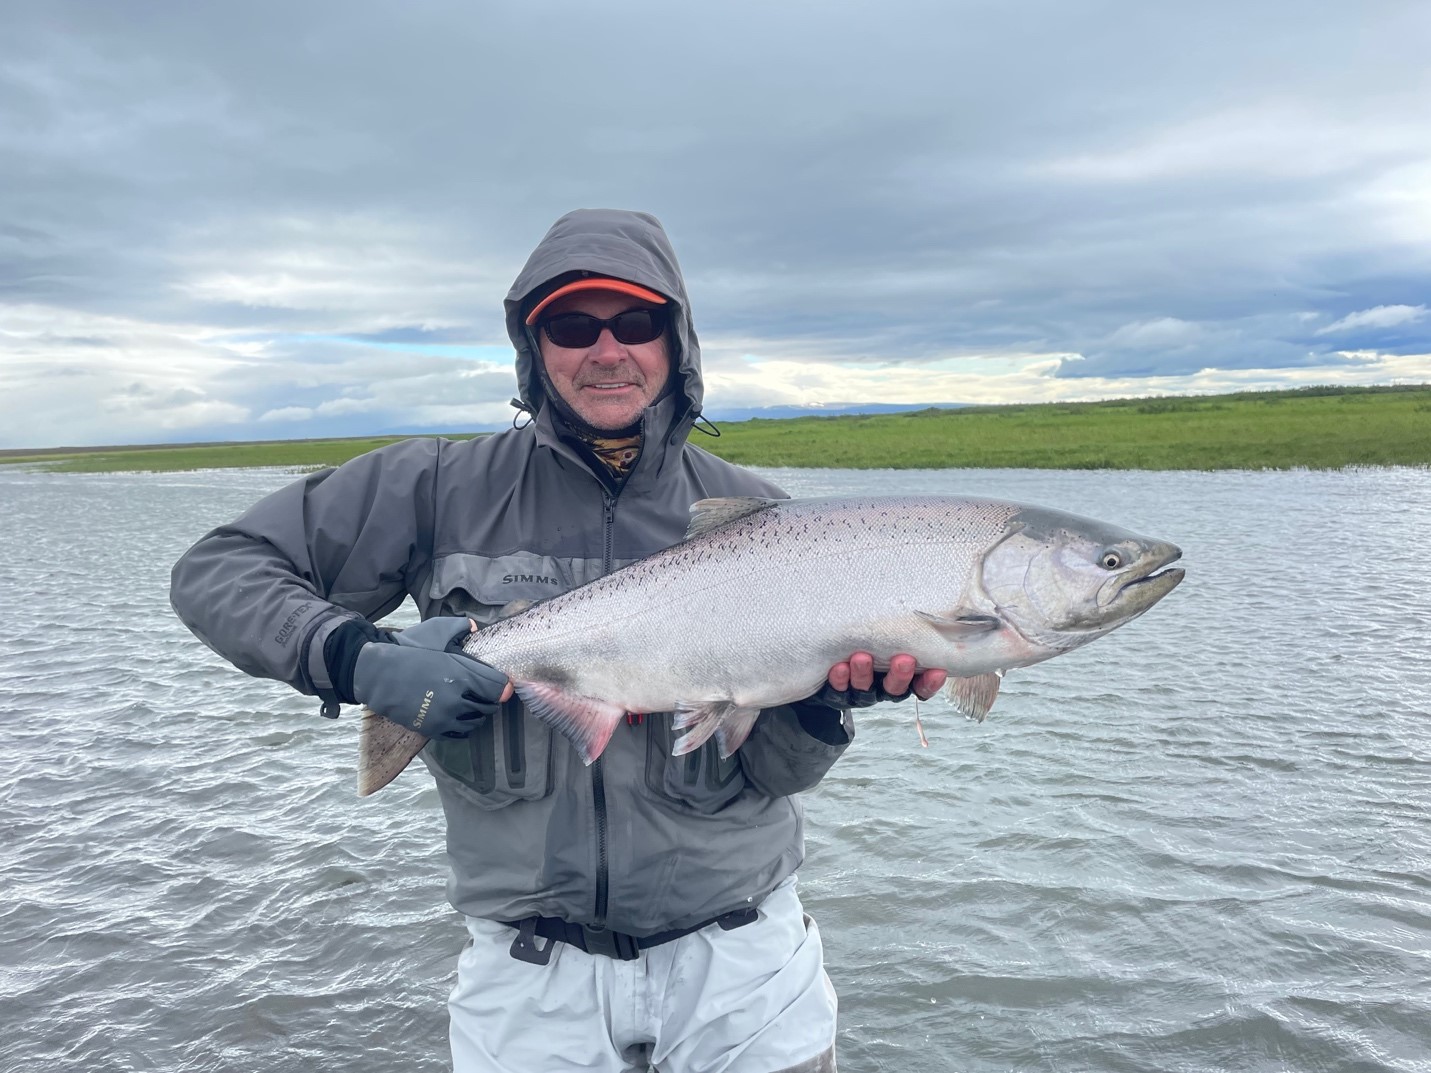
507,758
700,780
482,585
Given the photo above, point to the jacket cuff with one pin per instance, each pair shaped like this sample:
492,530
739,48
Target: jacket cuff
340,656
822,723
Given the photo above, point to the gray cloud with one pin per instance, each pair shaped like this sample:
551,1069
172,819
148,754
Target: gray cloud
855,186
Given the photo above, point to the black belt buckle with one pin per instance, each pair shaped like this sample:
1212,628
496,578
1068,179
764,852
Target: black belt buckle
738,918
608,943
525,946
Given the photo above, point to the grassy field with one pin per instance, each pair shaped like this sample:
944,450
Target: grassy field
160,457
1317,428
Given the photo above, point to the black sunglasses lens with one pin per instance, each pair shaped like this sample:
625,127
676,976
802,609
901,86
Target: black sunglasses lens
572,330
638,326
576,331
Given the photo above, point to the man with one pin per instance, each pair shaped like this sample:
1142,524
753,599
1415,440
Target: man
641,910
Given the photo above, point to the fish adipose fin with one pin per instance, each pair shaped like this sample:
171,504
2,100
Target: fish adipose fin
726,720
973,697
957,625
708,514
584,721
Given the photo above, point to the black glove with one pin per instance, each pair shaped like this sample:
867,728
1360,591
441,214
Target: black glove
431,691
845,699
442,634
822,714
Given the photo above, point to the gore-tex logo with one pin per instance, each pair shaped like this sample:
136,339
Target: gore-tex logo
290,624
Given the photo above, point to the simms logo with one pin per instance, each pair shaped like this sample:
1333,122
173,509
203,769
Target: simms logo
290,624
538,579
422,712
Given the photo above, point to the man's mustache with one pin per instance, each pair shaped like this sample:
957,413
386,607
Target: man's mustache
615,375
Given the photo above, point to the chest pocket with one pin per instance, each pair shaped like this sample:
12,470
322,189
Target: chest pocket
700,780
505,759
508,758
481,585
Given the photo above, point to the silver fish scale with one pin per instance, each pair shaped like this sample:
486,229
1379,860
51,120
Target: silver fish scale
758,610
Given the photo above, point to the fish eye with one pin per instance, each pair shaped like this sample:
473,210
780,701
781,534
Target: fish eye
1111,560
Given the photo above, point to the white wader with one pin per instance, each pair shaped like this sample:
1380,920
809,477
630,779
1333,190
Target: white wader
752,1000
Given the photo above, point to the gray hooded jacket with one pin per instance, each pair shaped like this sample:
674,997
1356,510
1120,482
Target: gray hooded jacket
640,842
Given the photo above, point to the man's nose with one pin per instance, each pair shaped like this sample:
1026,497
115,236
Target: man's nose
606,348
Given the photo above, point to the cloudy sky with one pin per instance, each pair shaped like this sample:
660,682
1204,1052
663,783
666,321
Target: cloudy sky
261,220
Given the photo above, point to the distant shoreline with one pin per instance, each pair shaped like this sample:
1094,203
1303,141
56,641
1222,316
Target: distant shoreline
1312,428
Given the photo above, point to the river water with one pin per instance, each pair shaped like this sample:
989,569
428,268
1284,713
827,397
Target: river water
1203,843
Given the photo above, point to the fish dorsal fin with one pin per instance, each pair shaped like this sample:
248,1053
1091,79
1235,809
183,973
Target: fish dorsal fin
708,514
514,607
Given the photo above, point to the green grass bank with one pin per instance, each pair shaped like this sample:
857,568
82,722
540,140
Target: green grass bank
168,457
1316,428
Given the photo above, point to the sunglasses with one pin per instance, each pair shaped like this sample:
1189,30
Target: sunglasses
575,331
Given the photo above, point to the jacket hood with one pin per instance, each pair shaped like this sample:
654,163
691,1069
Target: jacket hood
605,242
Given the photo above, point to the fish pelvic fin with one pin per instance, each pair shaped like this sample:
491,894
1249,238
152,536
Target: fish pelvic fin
586,722
708,514
731,732
384,749
727,721
973,697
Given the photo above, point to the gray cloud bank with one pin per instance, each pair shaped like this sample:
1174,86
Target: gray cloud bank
259,220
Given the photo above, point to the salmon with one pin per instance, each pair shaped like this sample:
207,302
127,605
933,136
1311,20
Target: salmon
763,597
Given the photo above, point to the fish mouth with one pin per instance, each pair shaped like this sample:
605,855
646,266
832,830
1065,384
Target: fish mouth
1154,582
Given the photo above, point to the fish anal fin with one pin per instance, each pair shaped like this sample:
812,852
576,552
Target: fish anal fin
586,722
708,514
959,624
973,697
384,749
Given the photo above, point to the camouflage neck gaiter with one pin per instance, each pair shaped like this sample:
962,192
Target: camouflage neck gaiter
616,454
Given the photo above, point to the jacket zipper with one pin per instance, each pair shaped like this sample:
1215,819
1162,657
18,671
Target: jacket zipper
598,780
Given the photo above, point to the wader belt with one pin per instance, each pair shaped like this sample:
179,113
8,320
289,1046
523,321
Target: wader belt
612,944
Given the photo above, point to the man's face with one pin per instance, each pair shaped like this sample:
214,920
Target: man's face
607,384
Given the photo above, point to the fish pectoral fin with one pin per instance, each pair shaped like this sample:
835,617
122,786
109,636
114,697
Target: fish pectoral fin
973,697
587,722
708,514
384,749
726,720
962,625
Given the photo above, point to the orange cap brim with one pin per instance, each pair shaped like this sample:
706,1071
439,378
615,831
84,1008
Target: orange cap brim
600,283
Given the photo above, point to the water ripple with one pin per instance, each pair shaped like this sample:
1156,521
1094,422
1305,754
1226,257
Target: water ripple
1201,844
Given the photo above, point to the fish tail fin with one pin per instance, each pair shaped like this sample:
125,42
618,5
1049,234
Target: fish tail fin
384,749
